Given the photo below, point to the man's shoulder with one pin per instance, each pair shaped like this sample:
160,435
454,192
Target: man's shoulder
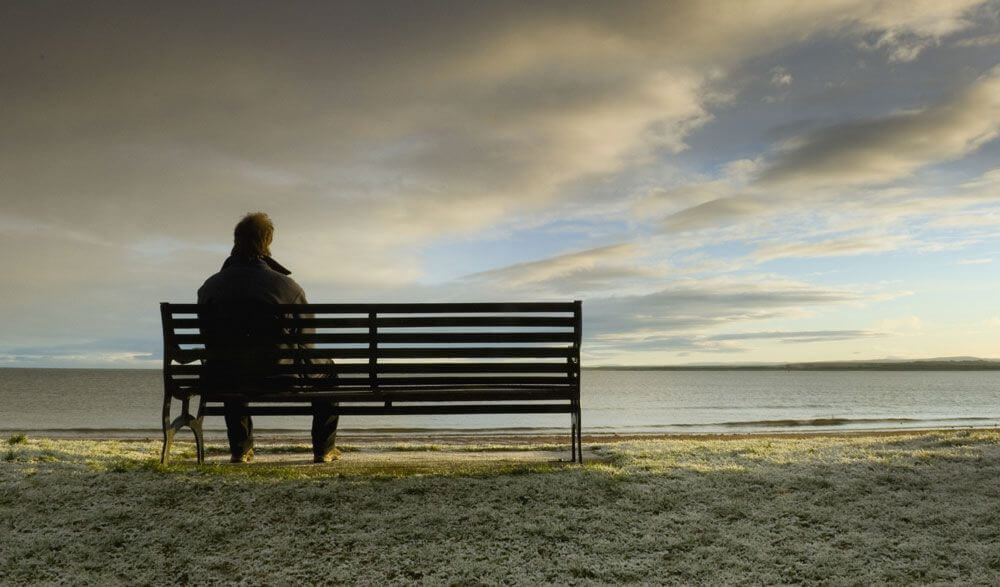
209,286
251,282
288,283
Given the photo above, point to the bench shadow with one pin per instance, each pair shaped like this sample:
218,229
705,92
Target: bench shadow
394,460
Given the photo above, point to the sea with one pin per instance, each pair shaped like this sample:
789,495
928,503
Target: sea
127,402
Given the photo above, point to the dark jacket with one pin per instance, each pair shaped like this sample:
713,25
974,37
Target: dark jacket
241,285
245,280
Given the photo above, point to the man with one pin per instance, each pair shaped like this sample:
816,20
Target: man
249,275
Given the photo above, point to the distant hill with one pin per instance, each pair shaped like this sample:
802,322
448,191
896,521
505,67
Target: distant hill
934,364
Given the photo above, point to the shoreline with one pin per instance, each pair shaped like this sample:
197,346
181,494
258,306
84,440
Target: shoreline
453,437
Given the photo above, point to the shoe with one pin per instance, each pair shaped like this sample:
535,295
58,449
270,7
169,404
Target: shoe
246,457
329,457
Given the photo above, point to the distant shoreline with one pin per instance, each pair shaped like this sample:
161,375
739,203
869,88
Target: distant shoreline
924,365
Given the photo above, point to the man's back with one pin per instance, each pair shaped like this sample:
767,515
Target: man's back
245,280
239,323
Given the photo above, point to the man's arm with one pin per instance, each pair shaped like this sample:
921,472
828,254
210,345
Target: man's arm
301,299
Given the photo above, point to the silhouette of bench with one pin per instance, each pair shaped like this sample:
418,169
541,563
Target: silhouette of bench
373,359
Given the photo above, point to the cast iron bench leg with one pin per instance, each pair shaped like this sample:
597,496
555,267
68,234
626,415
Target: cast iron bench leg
170,428
578,440
168,431
196,427
572,436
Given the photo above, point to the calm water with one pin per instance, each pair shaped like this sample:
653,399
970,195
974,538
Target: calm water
613,401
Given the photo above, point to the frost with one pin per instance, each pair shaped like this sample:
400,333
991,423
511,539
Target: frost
891,508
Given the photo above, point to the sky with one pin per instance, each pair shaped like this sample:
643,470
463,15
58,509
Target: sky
719,182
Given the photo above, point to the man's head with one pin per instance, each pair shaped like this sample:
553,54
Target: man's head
252,236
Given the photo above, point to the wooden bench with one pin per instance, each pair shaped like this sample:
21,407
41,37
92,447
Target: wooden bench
379,359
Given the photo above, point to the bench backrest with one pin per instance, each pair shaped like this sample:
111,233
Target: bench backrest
404,352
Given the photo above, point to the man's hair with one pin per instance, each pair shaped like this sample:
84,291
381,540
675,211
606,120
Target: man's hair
252,236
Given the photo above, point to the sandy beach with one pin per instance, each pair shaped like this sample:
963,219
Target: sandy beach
885,507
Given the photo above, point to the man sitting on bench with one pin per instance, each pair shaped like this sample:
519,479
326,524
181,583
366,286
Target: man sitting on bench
251,276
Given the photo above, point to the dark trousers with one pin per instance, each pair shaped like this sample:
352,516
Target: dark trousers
239,428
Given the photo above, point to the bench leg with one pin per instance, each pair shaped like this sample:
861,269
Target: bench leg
572,436
170,428
199,436
579,434
168,431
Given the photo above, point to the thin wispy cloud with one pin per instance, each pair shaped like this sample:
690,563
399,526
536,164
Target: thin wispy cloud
983,261
798,337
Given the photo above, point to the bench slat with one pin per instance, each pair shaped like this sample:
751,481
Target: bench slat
404,410
475,321
487,352
414,383
387,382
398,353
379,368
408,322
405,308
435,395
397,338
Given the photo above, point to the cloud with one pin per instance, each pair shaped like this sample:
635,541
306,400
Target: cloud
685,307
901,47
798,336
83,360
713,213
682,317
659,201
968,220
817,209
347,117
906,29
980,41
787,223
588,270
461,120
980,261
109,353
855,245
696,305
989,180
780,77
882,149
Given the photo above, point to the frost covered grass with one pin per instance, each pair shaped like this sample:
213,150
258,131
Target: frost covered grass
911,508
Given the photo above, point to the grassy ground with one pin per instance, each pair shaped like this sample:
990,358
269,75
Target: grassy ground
913,508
